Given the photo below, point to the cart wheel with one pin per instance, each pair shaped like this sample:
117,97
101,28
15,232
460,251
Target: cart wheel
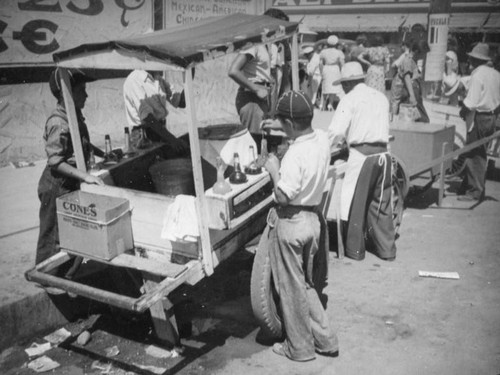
263,295
400,187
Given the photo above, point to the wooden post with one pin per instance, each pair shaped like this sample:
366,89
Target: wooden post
201,202
441,177
74,131
295,62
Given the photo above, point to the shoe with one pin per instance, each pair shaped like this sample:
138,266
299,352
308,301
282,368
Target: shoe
280,350
389,259
333,354
467,198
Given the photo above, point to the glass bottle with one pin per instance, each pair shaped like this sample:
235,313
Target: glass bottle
92,164
107,147
126,148
144,141
221,186
252,168
237,177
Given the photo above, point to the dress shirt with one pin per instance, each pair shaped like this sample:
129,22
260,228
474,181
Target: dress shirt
362,116
258,68
304,169
484,89
145,95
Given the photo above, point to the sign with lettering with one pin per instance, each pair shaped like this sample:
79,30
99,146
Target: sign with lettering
179,12
32,30
438,39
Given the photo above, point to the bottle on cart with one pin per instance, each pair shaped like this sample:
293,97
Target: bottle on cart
127,149
144,141
253,167
237,177
92,166
107,148
264,154
221,186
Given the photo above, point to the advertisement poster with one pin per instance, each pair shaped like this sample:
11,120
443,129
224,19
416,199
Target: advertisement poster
437,39
32,30
180,12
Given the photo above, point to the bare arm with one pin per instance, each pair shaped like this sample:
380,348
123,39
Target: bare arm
72,172
272,166
409,87
237,75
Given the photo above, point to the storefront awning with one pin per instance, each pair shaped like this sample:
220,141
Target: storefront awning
361,23
392,22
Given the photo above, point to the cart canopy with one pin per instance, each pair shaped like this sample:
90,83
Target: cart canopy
179,47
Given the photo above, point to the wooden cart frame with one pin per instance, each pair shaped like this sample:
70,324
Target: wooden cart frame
179,49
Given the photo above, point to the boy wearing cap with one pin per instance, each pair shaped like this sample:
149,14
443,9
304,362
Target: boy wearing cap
61,175
295,231
480,110
362,121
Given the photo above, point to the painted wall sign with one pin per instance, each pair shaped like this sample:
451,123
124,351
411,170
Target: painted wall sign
179,12
32,30
437,39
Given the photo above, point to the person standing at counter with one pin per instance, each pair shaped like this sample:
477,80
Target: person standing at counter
146,95
480,110
61,176
362,121
296,227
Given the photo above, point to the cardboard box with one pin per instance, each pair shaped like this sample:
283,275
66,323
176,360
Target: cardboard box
93,225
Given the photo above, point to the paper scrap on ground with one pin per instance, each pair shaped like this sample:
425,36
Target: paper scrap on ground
58,336
157,352
43,364
112,351
439,275
153,369
36,349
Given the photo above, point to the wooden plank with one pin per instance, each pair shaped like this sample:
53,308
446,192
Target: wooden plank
143,264
54,261
72,121
295,63
201,203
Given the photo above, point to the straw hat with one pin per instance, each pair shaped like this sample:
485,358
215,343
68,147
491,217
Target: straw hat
351,71
307,50
451,83
333,40
481,52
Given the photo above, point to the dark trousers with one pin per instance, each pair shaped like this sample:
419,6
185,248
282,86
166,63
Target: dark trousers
371,211
476,163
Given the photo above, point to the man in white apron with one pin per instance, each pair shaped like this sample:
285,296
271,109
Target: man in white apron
362,121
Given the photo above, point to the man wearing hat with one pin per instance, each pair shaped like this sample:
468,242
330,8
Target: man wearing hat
362,121
296,229
60,175
480,110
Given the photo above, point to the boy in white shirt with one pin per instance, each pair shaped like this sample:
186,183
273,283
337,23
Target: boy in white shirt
296,228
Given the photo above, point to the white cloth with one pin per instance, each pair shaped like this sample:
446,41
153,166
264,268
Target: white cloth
210,149
258,68
484,89
144,95
362,116
180,223
304,169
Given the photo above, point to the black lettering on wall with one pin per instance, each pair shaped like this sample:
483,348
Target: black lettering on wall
3,45
94,8
122,4
37,5
30,36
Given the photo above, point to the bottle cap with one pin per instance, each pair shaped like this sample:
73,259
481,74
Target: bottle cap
126,130
106,137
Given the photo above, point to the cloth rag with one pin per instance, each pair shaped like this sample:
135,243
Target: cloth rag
180,222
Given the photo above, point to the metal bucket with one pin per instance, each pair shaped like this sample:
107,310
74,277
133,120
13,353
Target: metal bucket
173,177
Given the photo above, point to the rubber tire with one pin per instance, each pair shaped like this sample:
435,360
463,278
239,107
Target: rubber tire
263,295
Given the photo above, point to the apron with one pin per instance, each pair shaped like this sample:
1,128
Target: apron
354,164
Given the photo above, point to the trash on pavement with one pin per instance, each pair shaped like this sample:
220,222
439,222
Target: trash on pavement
112,351
43,364
439,275
84,338
37,349
157,352
58,336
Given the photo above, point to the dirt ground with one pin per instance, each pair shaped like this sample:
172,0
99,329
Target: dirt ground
388,319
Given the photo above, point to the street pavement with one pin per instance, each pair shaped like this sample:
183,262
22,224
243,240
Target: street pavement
459,237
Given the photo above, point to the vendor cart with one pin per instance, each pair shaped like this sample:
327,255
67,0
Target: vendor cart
225,222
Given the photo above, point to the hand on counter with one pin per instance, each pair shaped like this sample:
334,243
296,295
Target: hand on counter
91,179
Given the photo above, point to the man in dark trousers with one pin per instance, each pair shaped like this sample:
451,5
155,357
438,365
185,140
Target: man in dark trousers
480,110
362,121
